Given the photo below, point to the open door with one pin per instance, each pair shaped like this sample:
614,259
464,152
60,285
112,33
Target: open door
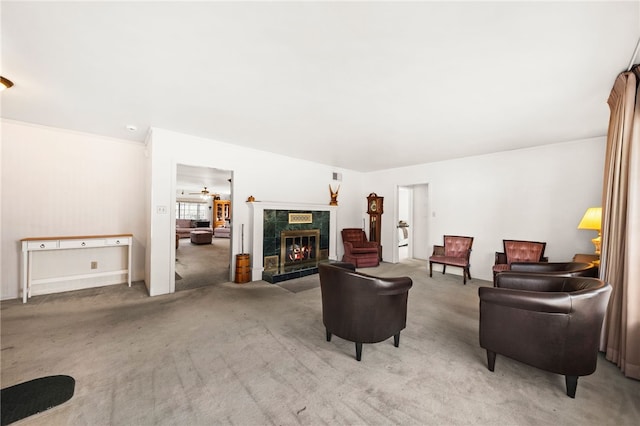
203,213
413,222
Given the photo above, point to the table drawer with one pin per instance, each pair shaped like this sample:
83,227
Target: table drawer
42,245
65,244
118,241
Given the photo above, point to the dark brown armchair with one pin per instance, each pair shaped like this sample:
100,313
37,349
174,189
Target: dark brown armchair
455,252
358,250
549,322
518,251
361,308
563,269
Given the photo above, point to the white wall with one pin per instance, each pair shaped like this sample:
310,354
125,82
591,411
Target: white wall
57,182
532,194
266,176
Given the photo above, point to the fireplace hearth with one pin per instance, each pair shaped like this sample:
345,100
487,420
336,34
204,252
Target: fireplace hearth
288,240
300,253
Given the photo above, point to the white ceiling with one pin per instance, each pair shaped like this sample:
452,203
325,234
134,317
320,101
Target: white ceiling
360,85
191,180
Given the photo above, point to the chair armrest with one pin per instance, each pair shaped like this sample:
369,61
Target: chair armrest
393,286
344,265
547,302
348,247
438,250
500,258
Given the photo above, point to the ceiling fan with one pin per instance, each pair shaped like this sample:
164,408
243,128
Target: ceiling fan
204,192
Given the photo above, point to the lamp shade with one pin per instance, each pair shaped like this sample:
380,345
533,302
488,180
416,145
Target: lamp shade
592,219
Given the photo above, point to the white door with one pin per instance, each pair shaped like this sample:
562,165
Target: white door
413,222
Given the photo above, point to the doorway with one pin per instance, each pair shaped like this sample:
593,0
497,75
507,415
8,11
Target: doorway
203,214
413,222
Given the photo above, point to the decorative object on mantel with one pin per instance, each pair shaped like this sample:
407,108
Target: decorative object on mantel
243,263
251,199
5,83
334,196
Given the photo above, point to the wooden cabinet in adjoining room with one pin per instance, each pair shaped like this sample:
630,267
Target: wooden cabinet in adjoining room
221,212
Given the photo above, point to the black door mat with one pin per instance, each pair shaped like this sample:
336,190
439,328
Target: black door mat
32,397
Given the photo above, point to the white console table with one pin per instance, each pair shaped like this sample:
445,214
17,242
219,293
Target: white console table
29,245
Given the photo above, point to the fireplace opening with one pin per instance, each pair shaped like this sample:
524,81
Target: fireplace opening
299,247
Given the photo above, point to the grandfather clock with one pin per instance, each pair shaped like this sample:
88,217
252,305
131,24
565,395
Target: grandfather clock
374,208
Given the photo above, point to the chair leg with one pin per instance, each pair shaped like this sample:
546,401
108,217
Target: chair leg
396,340
358,351
572,384
430,269
464,276
328,336
491,360
444,268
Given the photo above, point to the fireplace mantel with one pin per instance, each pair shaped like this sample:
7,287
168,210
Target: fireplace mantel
256,229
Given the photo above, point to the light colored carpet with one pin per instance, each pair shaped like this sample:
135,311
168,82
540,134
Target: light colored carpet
301,284
201,265
256,354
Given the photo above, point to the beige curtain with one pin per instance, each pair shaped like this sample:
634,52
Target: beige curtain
620,260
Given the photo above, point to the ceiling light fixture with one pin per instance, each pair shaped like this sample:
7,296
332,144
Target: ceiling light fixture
5,83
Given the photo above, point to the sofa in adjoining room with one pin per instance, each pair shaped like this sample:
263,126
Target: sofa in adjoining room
222,232
185,226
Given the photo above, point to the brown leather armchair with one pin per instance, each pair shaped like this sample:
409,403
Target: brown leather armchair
518,251
563,269
362,308
455,252
358,250
549,322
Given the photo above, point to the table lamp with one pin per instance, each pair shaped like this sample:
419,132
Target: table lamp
592,219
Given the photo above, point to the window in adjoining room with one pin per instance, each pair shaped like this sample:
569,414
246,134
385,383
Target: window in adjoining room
191,210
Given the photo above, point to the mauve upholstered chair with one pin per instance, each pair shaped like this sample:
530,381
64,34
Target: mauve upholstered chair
362,308
455,252
358,250
518,251
548,322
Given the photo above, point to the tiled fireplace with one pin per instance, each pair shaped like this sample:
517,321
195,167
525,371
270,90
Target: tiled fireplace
288,240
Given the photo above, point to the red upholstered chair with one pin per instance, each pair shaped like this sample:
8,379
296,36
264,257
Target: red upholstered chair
518,251
455,252
358,250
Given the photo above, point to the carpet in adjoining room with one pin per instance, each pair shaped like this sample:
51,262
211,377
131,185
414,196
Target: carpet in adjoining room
200,265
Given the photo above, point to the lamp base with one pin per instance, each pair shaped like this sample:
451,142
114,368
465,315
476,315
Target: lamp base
597,243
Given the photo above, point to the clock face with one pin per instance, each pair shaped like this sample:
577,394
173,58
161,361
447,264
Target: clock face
373,206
